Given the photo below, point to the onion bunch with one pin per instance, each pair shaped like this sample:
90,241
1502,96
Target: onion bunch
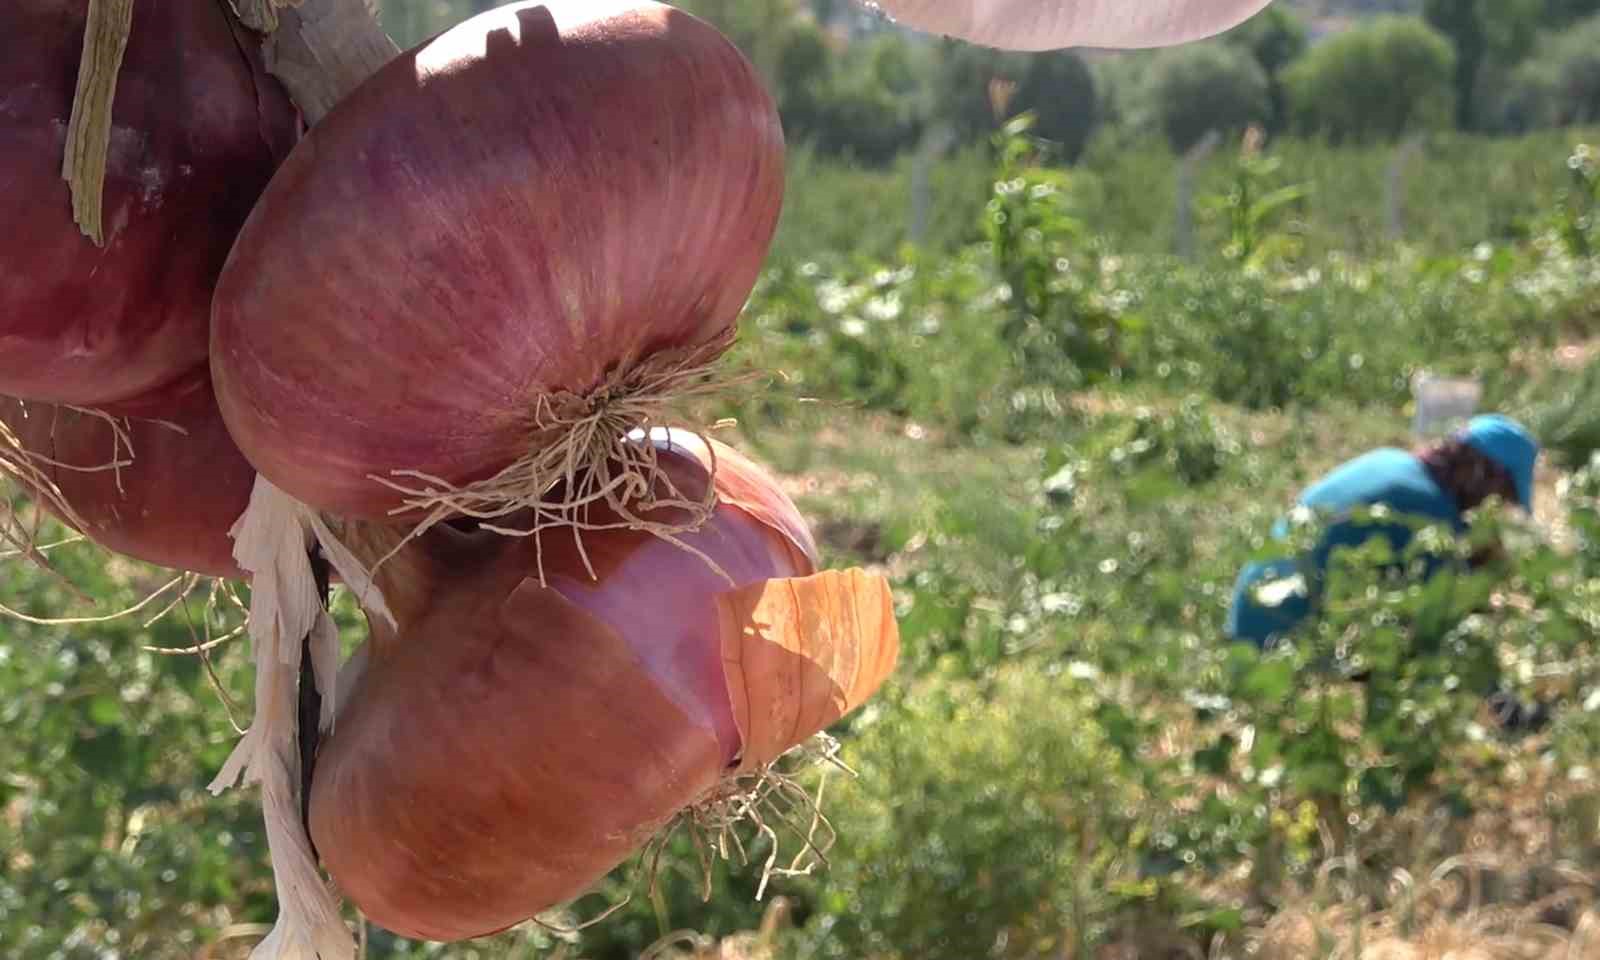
483,268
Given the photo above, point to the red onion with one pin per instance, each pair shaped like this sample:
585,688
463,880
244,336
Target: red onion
523,228
1055,24
515,742
197,128
180,484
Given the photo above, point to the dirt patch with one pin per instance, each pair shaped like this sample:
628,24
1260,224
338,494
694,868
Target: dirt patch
855,537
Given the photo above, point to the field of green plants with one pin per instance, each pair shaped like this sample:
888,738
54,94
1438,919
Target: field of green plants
1060,441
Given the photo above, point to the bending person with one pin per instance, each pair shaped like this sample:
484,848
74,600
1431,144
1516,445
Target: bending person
1492,456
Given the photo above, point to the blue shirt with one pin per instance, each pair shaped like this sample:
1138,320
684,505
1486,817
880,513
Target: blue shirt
1389,477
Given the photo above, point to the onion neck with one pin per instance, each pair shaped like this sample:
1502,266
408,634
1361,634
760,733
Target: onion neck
406,575
414,573
320,50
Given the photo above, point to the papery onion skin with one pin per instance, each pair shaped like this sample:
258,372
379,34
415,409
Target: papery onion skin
1035,25
515,743
197,129
178,497
535,199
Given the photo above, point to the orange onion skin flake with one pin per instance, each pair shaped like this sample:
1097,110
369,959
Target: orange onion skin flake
197,129
172,505
536,199
516,742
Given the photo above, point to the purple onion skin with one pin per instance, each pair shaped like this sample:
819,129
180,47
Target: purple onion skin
197,129
540,195
172,505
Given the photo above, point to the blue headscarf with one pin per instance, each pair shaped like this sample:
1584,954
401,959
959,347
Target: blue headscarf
1509,444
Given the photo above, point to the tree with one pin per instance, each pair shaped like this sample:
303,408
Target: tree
1374,82
861,105
1206,86
1559,13
1275,38
1489,36
1060,91
1558,86
976,89
963,76
803,68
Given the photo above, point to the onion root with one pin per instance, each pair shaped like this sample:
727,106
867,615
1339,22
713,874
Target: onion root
29,470
585,447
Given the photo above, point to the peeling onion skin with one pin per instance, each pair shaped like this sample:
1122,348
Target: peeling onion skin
537,197
179,496
1036,25
197,129
515,743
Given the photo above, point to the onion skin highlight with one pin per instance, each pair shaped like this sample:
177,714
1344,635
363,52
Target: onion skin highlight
515,743
537,198
1034,25
178,497
197,129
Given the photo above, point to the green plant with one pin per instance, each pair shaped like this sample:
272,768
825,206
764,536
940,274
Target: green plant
1188,443
1567,418
1579,203
1252,207
1040,252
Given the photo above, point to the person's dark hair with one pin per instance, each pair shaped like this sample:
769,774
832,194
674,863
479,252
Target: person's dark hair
1467,473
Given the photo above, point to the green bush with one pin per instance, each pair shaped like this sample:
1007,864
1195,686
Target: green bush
1373,82
990,820
1191,444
